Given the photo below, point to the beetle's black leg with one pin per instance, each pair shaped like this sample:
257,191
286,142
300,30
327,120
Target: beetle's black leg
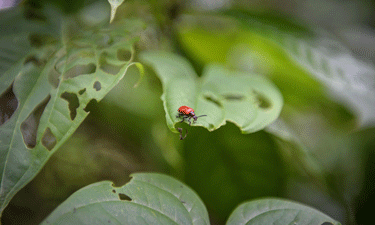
189,121
180,130
184,117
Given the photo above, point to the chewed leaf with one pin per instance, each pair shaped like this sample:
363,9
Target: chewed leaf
248,100
146,199
277,211
51,92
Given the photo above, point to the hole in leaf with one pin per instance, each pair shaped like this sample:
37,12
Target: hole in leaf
8,104
110,68
327,223
75,71
174,10
97,86
29,127
54,77
261,100
80,92
33,59
216,102
91,105
73,101
33,11
113,190
124,55
124,197
234,97
36,40
48,139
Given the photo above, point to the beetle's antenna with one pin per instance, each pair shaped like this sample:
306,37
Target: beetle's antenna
201,115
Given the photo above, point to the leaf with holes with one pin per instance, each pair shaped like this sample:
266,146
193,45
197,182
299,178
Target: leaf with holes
277,211
146,199
248,100
51,94
18,38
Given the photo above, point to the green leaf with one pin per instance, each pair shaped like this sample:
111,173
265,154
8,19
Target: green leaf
19,35
248,100
114,5
146,199
347,79
277,211
53,87
308,66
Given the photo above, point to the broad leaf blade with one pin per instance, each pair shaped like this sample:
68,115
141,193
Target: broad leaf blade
248,100
53,93
154,199
276,211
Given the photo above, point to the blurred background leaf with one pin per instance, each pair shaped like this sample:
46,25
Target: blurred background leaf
269,211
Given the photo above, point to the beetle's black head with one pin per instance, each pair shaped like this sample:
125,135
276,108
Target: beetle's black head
196,117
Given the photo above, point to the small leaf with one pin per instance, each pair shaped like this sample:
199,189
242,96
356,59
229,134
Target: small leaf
114,5
248,100
146,199
277,211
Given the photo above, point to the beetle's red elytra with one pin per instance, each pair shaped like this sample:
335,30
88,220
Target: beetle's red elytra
187,113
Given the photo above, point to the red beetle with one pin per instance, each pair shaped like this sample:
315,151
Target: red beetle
187,112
